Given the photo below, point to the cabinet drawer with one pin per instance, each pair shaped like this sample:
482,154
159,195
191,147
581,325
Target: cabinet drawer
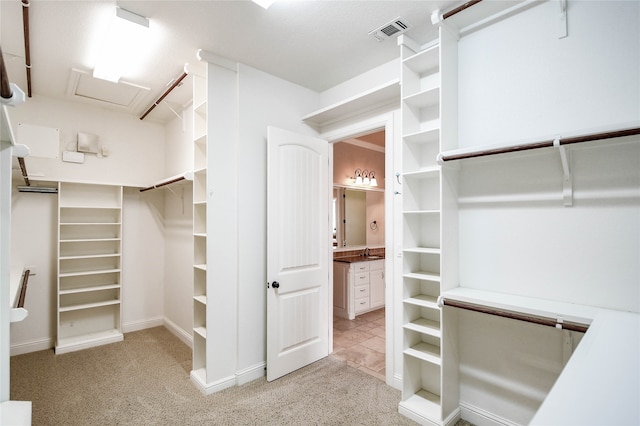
362,304
361,278
360,267
361,291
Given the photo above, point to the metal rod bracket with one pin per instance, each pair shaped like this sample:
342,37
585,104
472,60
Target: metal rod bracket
567,181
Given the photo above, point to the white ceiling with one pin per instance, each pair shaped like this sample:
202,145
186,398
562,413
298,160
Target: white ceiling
316,44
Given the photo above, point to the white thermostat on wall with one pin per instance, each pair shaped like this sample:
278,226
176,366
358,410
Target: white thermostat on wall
88,143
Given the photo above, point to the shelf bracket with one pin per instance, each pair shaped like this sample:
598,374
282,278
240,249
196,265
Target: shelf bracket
567,181
562,20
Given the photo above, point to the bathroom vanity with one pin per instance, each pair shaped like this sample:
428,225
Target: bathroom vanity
358,285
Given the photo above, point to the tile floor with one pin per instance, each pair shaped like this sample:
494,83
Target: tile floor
361,342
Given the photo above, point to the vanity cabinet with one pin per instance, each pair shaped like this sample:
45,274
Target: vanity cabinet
358,287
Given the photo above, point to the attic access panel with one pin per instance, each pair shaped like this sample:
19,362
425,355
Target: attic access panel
122,95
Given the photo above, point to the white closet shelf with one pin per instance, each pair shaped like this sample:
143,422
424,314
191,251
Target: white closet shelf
201,108
423,250
430,133
424,173
201,331
424,326
89,289
90,256
423,212
580,314
201,299
84,240
201,266
81,273
423,275
424,62
89,305
425,352
88,223
424,99
423,300
423,403
384,94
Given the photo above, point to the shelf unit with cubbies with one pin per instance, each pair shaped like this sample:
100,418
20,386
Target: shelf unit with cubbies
89,266
199,371
426,110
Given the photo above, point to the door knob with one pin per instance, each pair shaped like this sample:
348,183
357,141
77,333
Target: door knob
275,284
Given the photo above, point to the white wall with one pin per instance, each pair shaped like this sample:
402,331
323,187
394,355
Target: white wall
136,147
518,81
263,100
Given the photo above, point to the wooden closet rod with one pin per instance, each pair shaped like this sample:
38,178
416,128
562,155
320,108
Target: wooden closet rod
184,176
460,8
164,95
543,144
27,43
23,288
5,86
23,168
565,325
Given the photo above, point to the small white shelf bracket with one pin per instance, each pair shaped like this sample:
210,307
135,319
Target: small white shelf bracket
562,19
567,181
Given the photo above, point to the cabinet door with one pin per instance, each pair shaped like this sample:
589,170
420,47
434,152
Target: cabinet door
376,288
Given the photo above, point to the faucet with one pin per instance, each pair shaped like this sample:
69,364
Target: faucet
366,252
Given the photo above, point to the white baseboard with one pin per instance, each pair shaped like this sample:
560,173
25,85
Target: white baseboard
141,325
480,417
32,346
209,388
187,338
397,382
250,374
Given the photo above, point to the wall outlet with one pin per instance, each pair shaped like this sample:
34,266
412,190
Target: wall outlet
32,270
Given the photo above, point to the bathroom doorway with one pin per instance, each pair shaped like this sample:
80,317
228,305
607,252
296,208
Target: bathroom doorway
359,325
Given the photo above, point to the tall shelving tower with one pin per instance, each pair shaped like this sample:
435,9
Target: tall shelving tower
429,248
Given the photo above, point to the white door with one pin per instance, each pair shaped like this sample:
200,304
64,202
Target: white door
298,243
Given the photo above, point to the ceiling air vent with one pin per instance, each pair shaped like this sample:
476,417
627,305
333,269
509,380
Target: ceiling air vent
393,28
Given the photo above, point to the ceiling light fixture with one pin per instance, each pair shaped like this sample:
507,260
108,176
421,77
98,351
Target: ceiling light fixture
264,3
125,40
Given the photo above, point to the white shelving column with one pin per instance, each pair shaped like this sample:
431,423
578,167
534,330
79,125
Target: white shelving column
199,229
89,266
426,389
215,224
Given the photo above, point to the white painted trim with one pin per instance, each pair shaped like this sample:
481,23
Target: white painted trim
32,346
352,127
186,337
250,374
209,388
142,325
480,417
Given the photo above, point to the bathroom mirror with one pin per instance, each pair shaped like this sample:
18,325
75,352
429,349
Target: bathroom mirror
358,217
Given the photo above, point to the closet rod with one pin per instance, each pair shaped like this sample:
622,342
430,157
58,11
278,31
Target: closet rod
23,288
515,315
27,43
23,168
169,181
5,85
542,144
164,95
460,8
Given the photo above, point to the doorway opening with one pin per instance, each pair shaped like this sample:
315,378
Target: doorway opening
359,311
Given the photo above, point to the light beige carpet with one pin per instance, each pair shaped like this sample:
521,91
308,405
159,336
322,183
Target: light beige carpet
145,381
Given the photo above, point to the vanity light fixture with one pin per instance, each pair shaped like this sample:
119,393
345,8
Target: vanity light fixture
125,40
365,177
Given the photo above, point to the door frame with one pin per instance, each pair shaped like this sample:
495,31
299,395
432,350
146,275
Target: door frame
353,127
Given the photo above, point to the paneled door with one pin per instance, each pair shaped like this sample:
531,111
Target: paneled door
298,242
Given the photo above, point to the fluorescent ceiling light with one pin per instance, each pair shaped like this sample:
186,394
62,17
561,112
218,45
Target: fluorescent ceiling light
125,41
264,3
